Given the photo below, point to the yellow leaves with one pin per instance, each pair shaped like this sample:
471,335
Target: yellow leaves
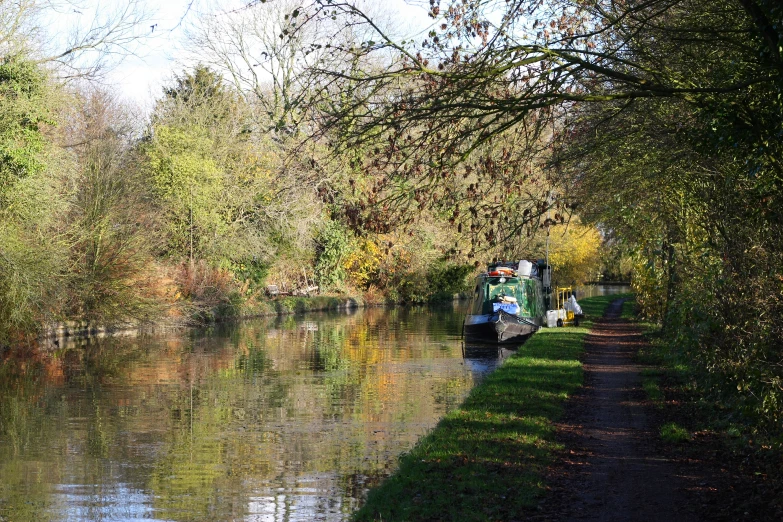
574,252
363,262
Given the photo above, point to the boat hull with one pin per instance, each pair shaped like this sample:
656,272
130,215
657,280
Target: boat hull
500,327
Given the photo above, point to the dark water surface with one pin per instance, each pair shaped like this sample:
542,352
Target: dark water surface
265,420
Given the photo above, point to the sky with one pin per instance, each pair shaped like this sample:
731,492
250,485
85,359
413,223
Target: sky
139,77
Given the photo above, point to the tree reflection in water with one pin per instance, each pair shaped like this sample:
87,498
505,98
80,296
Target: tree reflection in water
276,419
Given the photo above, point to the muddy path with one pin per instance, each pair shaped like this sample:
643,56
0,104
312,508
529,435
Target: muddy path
613,466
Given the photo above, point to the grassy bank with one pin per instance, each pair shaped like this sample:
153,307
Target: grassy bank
484,461
278,306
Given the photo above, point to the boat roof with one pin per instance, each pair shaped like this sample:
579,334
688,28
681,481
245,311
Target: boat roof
513,266
514,275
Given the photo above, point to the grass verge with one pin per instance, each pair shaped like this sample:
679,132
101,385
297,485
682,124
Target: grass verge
744,469
485,460
629,308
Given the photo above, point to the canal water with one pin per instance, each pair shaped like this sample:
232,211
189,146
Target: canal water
276,419
583,291
279,419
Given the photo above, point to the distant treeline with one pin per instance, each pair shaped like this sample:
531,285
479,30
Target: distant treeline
230,184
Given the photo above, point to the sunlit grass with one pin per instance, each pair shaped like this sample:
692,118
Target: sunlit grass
674,433
593,307
485,460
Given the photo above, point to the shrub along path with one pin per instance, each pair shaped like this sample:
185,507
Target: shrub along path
614,466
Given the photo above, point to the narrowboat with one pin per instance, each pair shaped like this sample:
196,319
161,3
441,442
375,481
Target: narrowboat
507,304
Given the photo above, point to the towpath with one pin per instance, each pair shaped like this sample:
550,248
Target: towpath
613,467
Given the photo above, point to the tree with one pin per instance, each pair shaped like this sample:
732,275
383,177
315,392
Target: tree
574,252
227,195
246,45
690,184
264,51
31,252
23,110
491,68
40,234
113,230
97,36
657,119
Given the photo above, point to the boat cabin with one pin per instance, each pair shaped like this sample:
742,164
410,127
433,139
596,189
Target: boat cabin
507,291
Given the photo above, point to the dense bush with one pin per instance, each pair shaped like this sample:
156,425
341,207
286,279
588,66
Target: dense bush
446,279
332,246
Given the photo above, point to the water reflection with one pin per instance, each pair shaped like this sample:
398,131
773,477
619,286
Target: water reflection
483,358
284,419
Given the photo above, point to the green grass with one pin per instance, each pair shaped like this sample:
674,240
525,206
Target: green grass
594,307
629,308
652,388
674,433
485,460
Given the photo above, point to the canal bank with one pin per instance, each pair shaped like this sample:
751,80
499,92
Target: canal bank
282,305
485,460
58,333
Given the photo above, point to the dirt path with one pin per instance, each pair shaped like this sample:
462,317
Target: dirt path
611,469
